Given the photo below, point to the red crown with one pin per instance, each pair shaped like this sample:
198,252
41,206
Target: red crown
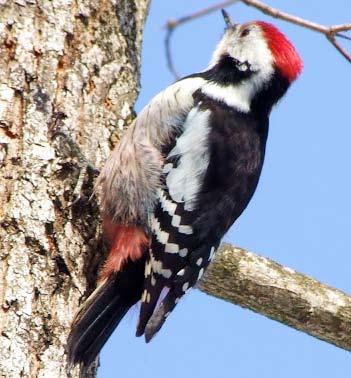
286,58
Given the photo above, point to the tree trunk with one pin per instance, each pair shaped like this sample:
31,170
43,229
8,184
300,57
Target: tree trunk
71,66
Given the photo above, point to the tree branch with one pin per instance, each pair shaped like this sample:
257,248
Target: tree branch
331,32
276,13
280,293
172,24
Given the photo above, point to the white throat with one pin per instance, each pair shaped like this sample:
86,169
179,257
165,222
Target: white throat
252,49
238,96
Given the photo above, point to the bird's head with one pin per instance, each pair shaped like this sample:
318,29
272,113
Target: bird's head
257,48
257,61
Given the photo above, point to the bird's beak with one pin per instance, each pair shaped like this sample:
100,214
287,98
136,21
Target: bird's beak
227,19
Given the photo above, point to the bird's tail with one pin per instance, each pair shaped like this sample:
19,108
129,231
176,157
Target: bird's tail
102,312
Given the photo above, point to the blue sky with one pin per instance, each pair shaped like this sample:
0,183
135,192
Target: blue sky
300,215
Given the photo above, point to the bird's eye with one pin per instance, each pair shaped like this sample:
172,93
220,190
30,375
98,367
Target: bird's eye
245,32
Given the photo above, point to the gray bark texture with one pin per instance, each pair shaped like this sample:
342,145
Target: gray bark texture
280,293
73,66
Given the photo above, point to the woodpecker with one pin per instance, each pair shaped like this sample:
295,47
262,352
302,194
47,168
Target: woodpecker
182,174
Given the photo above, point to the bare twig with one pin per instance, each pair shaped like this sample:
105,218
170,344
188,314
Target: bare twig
331,38
169,58
280,293
276,13
331,32
172,24
339,28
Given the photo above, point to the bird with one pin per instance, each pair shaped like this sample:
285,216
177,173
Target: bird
180,176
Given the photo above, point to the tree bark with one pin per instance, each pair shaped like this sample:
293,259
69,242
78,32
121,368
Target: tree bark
280,293
71,66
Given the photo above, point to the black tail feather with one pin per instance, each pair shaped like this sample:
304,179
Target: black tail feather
93,350
102,312
147,308
160,315
95,322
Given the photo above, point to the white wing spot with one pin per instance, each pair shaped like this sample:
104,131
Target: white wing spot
147,269
176,220
172,248
188,230
212,253
183,252
181,272
143,297
161,236
166,273
185,287
153,280
148,298
199,261
170,207
158,268
200,273
166,205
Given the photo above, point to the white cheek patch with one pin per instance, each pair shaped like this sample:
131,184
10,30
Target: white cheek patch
253,53
185,180
254,50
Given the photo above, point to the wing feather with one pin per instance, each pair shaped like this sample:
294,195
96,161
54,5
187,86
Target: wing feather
130,178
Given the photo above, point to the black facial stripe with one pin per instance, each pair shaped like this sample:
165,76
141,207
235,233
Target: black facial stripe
227,71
